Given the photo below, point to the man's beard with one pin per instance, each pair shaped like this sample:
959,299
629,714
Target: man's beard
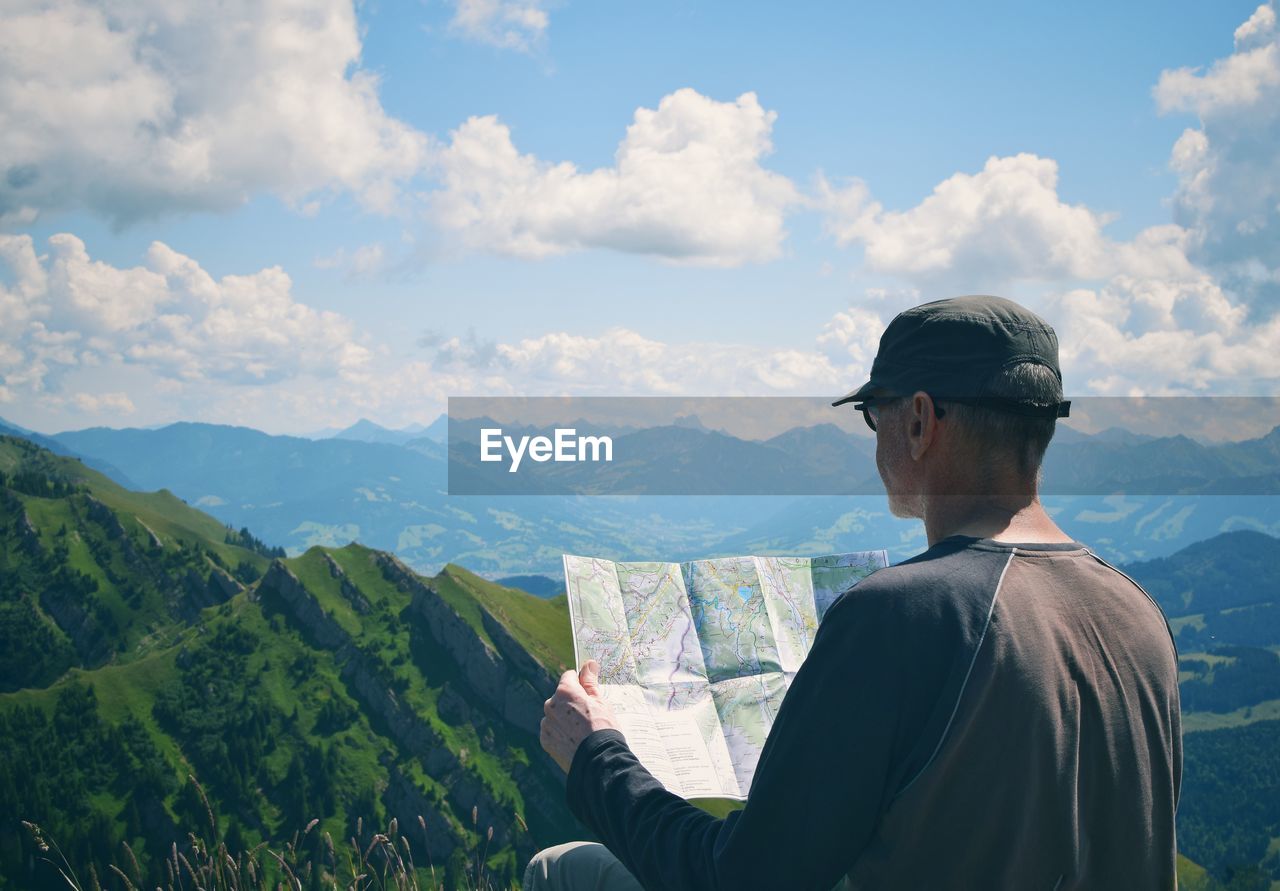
900,504
900,507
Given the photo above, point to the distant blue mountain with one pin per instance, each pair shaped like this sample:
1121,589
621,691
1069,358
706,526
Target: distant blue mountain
1229,571
437,430
48,442
538,585
298,492
365,430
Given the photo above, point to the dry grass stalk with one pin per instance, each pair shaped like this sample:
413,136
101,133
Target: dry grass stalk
210,866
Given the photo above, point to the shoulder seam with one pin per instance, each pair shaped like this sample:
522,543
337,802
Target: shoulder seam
1163,617
965,683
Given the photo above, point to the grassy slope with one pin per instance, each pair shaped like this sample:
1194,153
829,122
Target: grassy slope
132,688
1262,711
381,631
145,624
1192,876
164,513
540,625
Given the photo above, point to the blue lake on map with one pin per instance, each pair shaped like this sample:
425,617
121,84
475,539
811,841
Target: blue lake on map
744,591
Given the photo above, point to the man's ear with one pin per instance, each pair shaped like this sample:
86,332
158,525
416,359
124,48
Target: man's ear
922,427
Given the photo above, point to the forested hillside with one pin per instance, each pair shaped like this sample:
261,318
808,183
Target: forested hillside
145,642
1223,598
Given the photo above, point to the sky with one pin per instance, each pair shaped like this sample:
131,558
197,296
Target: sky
292,215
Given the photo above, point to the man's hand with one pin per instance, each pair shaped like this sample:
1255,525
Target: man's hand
573,712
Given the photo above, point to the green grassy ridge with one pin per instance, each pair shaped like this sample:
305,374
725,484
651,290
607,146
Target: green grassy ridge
401,644
130,690
1197,722
93,553
1211,574
384,636
385,632
1192,876
287,684
123,691
97,554
364,747
540,625
171,518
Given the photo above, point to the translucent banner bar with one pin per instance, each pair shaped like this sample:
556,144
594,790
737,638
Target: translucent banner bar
1179,445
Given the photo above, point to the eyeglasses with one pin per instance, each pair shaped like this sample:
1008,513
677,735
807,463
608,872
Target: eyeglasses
870,408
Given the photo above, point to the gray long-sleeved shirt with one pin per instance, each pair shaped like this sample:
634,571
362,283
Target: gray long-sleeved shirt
984,714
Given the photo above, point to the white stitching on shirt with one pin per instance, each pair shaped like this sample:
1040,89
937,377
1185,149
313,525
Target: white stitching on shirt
941,739
1167,627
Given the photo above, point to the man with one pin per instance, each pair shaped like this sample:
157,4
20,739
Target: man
999,711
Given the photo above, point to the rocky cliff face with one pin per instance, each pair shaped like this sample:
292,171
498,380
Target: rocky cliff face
350,592
204,591
27,531
107,519
501,684
502,674
222,585
68,610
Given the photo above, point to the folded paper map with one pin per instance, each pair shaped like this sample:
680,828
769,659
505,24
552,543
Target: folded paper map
696,657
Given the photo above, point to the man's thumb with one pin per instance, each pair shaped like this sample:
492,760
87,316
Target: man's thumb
590,677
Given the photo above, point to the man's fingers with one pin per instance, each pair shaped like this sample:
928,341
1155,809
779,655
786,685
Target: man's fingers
590,677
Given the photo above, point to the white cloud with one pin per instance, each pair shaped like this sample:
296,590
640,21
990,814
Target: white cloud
851,339
166,106
1133,317
1229,167
1136,337
1173,311
366,260
620,361
613,362
1005,223
181,344
65,311
1008,224
1131,336
1175,334
1172,332
511,24
687,186
1240,80
94,403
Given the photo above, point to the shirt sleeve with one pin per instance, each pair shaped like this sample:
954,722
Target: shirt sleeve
824,776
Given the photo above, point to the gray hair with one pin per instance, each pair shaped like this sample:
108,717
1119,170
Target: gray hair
1000,435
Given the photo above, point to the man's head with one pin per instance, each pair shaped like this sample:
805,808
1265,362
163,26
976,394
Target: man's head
964,394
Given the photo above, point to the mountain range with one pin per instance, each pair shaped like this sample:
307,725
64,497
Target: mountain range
298,492
143,640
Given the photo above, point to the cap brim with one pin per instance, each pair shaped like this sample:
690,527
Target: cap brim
858,395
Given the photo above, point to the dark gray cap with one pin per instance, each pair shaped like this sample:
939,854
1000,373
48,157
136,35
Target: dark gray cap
952,348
